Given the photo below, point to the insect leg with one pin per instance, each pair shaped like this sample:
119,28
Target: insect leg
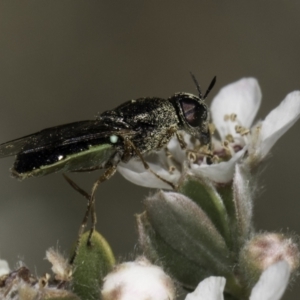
109,172
146,166
181,141
85,218
170,132
205,140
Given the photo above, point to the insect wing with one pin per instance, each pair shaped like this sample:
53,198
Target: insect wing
12,147
75,146
53,136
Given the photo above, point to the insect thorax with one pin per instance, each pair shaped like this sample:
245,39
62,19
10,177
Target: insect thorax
150,120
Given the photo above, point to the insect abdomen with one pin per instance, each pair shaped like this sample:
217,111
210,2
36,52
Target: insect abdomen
68,158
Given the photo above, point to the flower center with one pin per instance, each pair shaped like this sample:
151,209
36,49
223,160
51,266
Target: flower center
233,142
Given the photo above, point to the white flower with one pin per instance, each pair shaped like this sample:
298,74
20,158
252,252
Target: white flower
266,133
233,111
138,280
270,286
210,288
272,282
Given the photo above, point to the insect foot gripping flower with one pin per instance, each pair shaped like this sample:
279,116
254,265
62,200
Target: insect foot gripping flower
200,231
138,280
233,111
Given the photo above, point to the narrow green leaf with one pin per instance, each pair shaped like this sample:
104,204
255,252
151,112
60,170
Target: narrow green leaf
91,265
205,196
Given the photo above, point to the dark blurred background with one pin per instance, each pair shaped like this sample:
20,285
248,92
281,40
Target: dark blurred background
65,61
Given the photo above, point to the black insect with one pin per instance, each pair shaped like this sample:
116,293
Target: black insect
130,130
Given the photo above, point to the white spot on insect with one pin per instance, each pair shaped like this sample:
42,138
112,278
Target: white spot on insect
113,139
60,157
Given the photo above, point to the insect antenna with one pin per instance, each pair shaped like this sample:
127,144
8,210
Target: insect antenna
210,87
197,85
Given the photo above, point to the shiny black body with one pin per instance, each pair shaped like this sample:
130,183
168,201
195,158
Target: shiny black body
148,123
49,145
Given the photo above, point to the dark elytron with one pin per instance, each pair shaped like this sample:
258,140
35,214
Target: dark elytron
130,130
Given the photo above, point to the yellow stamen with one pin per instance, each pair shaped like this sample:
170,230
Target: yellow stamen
229,138
241,130
192,157
215,159
211,128
172,169
226,118
233,117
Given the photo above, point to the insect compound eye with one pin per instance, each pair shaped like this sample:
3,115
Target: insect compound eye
194,112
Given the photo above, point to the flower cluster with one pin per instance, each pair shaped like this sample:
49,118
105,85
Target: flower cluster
198,237
204,228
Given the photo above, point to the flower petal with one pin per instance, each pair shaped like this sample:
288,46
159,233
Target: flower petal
272,283
221,172
135,172
167,163
178,154
210,288
278,121
242,98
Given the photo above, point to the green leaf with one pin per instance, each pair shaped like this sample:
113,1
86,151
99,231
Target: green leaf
186,271
91,265
186,228
208,199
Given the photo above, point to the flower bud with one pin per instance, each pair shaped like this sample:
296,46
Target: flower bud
137,280
175,230
266,249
